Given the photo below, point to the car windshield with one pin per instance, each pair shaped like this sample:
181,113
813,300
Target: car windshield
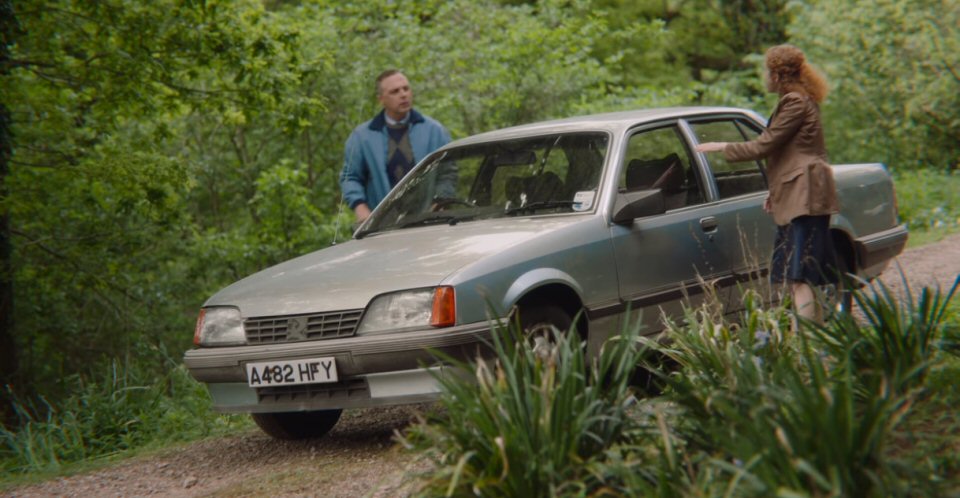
549,174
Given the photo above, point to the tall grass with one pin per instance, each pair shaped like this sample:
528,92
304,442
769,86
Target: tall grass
752,408
812,412
930,437
895,346
528,425
768,413
925,200
125,407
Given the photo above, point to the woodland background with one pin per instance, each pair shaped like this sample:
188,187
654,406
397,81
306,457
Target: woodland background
152,152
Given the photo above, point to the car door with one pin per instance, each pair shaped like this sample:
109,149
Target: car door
745,232
662,259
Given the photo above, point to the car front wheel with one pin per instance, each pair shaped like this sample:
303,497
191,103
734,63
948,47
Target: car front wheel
541,324
297,425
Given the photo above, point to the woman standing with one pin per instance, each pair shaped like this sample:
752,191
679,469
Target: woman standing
802,191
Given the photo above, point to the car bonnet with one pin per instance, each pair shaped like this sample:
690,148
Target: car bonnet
347,276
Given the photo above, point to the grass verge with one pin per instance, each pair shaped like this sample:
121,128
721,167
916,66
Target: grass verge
123,410
925,201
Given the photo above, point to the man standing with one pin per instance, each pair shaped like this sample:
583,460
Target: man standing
381,151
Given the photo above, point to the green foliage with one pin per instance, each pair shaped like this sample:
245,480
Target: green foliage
893,350
99,187
124,408
748,409
165,149
288,217
768,412
895,72
698,39
928,437
473,65
528,424
926,199
161,150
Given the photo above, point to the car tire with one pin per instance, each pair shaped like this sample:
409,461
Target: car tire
297,425
540,324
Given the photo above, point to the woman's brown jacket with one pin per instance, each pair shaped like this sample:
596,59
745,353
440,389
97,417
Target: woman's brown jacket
798,174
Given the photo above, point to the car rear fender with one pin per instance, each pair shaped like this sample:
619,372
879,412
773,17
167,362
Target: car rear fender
839,222
866,255
844,249
843,234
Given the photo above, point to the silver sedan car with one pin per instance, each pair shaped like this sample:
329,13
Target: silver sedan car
587,224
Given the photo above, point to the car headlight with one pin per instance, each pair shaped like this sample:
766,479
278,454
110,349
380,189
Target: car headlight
219,326
434,307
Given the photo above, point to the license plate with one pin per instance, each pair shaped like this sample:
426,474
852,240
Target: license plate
288,373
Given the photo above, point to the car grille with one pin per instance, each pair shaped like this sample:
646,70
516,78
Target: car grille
292,328
343,390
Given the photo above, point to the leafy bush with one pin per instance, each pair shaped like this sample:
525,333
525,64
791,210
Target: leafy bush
891,66
894,348
925,198
765,410
762,410
748,409
527,425
127,407
928,438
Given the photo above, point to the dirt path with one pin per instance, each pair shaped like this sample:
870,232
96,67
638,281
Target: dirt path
932,265
359,457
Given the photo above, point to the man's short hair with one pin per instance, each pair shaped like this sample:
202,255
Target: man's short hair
384,75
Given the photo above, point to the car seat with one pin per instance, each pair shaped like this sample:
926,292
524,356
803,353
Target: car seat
666,174
545,187
513,190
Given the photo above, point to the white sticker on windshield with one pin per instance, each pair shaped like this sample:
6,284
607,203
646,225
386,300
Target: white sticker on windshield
583,200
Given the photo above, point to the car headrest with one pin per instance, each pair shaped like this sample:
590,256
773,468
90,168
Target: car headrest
672,179
513,187
546,186
665,173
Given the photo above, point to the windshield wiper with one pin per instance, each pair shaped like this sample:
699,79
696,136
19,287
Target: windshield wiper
363,233
436,220
431,220
536,206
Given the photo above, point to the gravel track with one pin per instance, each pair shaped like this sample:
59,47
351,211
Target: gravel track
360,456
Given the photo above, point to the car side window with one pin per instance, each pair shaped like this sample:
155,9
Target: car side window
733,179
658,159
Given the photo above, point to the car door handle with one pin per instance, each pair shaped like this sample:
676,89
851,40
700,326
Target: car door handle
709,224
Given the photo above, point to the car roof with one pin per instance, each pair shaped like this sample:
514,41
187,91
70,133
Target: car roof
611,122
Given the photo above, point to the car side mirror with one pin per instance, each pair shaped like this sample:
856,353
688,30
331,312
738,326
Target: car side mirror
632,205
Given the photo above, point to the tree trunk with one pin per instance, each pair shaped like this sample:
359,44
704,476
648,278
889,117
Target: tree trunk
8,347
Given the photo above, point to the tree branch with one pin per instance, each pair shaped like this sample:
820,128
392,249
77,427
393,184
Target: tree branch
36,165
76,266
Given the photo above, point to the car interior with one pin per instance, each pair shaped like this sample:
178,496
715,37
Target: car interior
665,173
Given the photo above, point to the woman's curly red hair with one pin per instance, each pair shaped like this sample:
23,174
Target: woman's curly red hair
793,72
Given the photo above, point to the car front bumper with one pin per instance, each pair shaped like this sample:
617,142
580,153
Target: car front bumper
397,368
364,391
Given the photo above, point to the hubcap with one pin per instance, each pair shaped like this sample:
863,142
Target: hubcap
542,340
